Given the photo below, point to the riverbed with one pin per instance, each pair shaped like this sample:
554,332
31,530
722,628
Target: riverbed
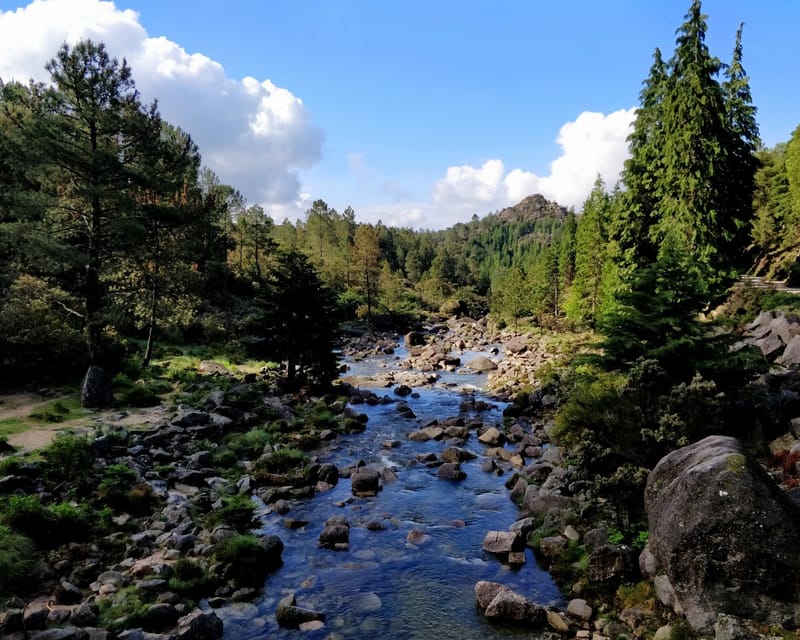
412,573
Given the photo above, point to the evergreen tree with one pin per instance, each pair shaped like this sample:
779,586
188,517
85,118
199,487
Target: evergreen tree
688,198
591,257
89,142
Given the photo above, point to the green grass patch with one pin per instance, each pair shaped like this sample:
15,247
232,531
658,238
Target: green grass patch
10,426
60,410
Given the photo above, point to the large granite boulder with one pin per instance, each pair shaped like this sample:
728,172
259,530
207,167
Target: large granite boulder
96,389
725,535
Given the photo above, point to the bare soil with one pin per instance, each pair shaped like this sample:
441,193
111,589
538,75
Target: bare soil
41,434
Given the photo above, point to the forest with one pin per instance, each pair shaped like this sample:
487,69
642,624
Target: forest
114,238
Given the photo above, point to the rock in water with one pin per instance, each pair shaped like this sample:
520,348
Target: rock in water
725,535
96,390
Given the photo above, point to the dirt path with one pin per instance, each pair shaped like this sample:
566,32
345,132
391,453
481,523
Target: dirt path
41,434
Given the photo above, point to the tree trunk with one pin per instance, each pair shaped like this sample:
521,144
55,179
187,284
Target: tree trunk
151,327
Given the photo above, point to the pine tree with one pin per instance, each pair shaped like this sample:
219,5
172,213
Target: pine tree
591,257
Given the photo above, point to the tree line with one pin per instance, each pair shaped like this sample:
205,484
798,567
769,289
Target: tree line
113,234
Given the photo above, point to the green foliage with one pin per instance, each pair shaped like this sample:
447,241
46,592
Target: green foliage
116,484
249,444
247,561
48,526
69,460
281,461
191,580
616,428
640,595
237,511
17,559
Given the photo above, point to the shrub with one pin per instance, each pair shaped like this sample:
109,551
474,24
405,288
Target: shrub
236,511
69,459
281,461
249,444
48,526
26,515
117,481
247,561
190,579
16,560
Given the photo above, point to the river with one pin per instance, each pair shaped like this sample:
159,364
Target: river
384,586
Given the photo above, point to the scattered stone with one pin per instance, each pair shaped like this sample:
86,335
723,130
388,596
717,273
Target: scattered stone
288,614
502,542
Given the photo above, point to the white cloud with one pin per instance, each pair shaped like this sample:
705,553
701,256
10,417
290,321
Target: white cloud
592,144
253,134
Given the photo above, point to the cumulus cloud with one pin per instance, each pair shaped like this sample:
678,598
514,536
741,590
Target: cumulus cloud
592,144
252,133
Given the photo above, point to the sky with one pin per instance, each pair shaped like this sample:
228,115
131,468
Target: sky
417,113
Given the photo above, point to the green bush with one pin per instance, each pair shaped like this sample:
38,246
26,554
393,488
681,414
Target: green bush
48,526
116,482
190,579
281,461
246,559
16,560
249,444
26,515
69,460
237,511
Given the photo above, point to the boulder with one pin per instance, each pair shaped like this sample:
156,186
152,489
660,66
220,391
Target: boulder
485,592
502,542
290,615
482,364
365,480
724,534
451,471
199,625
96,389
492,436
414,339
509,606
791,355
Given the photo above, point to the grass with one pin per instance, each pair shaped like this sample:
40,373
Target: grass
61,410
10,426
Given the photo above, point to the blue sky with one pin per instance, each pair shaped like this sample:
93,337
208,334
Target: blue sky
418,113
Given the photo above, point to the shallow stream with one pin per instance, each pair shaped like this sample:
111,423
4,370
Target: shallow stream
384,586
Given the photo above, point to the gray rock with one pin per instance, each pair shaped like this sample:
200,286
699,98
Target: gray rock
199,625
613,563
579,608
502,542
451,471
482,364
729,627
85,615
365,480
66,633
288,614
159,617
492,436
96,389
67,593
791,354
724,534
509,606
485,592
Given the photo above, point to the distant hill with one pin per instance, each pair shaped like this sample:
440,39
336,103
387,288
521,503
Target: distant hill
531,209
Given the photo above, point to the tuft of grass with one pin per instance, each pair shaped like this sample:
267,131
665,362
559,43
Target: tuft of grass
10,426
16,559
60,410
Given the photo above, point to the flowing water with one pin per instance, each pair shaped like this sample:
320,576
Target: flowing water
385,586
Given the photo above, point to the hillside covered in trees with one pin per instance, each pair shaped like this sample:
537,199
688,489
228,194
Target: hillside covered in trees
113,236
